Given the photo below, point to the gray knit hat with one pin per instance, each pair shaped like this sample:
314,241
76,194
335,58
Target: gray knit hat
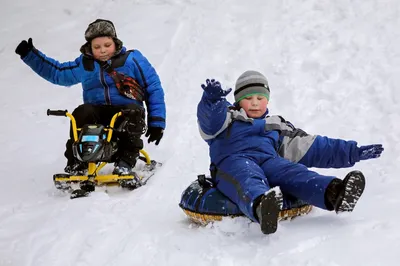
101,28
249,83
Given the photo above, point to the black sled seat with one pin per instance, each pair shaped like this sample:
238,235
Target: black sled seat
203,203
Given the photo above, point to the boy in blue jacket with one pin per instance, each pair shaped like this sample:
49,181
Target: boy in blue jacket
113,79
251,153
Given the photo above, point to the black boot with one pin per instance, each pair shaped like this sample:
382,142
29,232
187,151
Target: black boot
342,196
267,211
76,167
126,164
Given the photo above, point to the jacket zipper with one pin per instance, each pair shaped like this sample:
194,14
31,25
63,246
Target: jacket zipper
106,88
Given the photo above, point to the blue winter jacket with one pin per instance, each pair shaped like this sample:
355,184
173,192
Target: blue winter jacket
230,131
98,87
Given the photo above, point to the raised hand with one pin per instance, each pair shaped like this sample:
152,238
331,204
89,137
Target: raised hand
24,48
213,89
370,151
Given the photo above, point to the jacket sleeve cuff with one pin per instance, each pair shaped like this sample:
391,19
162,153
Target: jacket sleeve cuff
155,121
355,154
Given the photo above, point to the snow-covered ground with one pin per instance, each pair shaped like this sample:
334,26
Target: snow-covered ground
333,68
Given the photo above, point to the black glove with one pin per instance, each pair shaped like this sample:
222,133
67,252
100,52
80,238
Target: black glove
155,133
24,48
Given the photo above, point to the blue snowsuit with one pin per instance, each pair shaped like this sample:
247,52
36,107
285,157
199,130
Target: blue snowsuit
253,155
98,86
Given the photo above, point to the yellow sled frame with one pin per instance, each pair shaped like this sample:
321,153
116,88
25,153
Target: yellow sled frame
93,168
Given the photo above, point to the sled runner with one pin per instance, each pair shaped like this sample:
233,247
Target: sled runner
94,146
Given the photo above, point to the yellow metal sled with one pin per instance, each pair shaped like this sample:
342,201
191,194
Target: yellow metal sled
93,177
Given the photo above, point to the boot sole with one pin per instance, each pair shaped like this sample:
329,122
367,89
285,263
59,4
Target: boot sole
270,208
353,189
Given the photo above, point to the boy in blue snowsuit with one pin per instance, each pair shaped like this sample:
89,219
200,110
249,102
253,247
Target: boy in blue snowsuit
113,79
251,153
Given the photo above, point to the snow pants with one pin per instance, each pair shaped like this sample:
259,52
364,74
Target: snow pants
243,179
129,142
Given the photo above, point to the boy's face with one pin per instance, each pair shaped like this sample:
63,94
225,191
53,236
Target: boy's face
255,105
103,48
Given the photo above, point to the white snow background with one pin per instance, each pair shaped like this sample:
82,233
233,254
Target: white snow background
333,69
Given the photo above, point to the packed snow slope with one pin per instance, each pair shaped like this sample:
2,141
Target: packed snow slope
333,69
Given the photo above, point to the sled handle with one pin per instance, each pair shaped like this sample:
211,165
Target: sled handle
110,130
65,113
57,112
